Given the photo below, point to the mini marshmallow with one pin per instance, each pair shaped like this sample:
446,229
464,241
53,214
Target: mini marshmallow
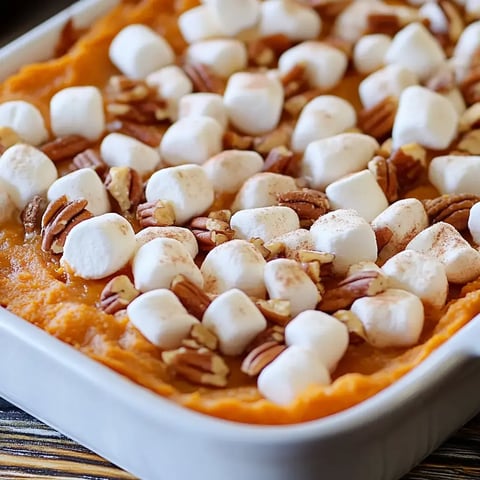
7,207
99,246
472,9
415,48
455,174
369,52
467,44
323,334
223,56
443,242
322,117
285,279
161,318
359,191
261,190
254,102
186,187
434,124
229,169
325,65
199,23
234,264
119,150
235,320
419,274
294,371
27,172
330,159
191,140
77,111
204,104
405,219
25,119
287,17
347,235
300,239
172,83
183,235
265,222
393,318
137,51
159,261
474,223
234,16
389,81
83,183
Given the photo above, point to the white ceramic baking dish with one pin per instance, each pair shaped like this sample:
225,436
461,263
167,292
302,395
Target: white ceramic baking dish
380,439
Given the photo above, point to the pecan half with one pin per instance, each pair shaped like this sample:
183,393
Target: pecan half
386,175
451,208
203,79
58,220
294,105
470,142
117,294
357,285
125,186
355,327
63,148
192,297
148,134
211,232
272,334
202,366
377,121
275,310
90,158
31,215
235,141
308,204
276,138
455,23
410,163
156,214
260,357
200,337
386,23
281,160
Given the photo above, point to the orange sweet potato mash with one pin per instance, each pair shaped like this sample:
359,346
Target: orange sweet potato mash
33,286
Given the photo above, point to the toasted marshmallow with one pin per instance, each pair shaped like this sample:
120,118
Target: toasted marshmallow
294,371
455,174
323,334
359,191
186,187
83,183
347,235
161,318
474,223
261,190
369,52
159,261
434,124
27,172
325,65
199,23
25,119
224,56
264,222
285,279
204,104
405,219
254,102
7,207
467,44
294,241
415,48
297,22
419,274
322,117
172,83
137,51
77,111
231,168
234,264
330,159
119,150
191,140
183,235
443,242
234,16
235,320
99,246
393,318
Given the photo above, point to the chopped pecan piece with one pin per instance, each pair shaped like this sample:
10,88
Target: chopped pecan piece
58,220
260,357
148,134
200,337
386,23
276,138
294,105
234,141
470,142
410,164
355,327
270,251
148,112
156,214
125,186
117,294
451,208
383,235
281,160
309,204
265,51
295,80
329,8
211,232
470,119
317,265
8,137
193,298
202,366
90,159
31,215
442,81
203,79
386,175
272,334
378,120
63,148
455,23
122,89
275,310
